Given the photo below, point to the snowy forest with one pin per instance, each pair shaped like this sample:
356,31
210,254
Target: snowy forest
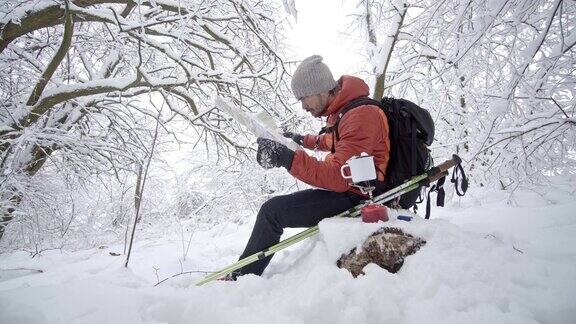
109,134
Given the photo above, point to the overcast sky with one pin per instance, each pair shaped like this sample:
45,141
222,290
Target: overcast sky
321,29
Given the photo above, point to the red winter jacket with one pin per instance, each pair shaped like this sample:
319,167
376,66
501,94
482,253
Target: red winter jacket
362,129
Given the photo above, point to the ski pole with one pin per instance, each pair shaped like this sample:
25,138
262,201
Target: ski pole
431,175
424,179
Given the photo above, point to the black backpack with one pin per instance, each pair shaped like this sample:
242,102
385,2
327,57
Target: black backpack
411,131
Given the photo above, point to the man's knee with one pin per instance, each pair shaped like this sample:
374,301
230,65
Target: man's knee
271,212
274,204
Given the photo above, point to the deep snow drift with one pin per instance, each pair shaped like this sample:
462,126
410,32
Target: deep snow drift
484,262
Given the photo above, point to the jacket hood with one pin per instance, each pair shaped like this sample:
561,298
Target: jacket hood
350,88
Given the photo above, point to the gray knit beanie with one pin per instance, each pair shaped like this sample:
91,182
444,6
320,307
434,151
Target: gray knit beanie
312,77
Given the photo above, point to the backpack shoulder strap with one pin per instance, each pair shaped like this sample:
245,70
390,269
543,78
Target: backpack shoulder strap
357,102
360,101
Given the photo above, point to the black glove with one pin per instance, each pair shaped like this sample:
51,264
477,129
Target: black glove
273,154
297,138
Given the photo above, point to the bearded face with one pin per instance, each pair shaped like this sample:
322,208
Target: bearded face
316,104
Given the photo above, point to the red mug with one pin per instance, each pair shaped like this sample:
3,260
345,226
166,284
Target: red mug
374,213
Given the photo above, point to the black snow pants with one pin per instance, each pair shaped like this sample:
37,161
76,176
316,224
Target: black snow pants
300,209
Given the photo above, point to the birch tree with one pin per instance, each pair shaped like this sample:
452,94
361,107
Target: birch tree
74,73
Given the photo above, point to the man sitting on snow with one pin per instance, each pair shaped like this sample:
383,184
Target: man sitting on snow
363,129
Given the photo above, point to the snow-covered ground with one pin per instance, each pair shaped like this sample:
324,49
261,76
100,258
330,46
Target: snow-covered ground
488,259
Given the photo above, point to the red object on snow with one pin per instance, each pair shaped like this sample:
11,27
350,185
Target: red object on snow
373,213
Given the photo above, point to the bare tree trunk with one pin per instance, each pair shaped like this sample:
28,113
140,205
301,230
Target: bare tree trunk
8,214
138,191
140,184
39,153
393,33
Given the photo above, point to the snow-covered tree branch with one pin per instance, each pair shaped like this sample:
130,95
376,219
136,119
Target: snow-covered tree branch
75,73
498,76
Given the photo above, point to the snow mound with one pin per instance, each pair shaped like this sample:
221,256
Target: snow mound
491,267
